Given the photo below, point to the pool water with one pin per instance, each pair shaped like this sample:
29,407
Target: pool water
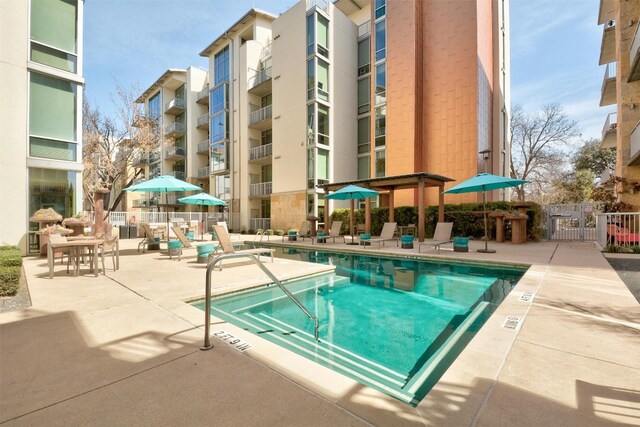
392,324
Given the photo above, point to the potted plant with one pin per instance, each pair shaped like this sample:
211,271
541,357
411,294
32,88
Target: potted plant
77,223
47,231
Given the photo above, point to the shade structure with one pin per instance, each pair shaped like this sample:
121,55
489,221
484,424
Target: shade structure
164,184
484,182
352,192
202,199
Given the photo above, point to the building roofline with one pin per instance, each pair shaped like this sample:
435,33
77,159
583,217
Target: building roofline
252,13
158,83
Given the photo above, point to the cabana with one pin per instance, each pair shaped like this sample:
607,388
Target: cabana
390,184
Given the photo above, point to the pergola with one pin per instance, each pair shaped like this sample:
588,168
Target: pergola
390,184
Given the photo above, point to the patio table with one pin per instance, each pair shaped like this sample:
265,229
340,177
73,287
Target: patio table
74,245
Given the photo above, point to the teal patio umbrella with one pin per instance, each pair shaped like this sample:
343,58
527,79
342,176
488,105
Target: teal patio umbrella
484,182
202,199
352,192
164,184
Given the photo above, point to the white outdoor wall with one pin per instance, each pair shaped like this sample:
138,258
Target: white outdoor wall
289,100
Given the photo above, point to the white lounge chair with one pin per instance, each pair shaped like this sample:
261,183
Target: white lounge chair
386,235
334,233
227,246
302,233
441,236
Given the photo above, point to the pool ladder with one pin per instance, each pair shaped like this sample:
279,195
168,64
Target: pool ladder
207,308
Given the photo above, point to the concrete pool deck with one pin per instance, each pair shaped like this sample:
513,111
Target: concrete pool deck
124,349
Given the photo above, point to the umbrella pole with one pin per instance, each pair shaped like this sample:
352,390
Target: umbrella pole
166,204
486,232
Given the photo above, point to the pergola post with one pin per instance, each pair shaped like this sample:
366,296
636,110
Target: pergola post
367,216
421,211
391,207
441,203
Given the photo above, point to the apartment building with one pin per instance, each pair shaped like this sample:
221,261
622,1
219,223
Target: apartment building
620,53
178,103
41,118
354,89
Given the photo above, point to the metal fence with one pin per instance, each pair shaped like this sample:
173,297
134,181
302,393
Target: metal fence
620,228
571,221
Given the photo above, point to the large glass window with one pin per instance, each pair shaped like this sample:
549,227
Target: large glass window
311,79
53,57
323,125
50,188
52,108
364,56
218,126
323,166
219,157
380,8
219,99
222,184
311,26
381,83
380,163
364,135
154,106
381,41
364,95
364,163
54,23
221,66
323,80
180,93
323,36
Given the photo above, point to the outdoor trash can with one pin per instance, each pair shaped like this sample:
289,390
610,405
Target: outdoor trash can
174,247
461,244
124,232
133,232
407,241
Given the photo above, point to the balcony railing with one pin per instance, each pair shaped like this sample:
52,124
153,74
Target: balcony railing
178,174
608,45
203,147
609,131
260,223
203,121
634,147
203,172
260,189
320,4
175,106
260,115
266,51
364,29
608,92
174,152
260,77
175,128
203,96
260,152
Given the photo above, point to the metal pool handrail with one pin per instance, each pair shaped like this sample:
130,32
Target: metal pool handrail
207,309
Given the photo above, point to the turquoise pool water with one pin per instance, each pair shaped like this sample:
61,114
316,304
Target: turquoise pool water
392,324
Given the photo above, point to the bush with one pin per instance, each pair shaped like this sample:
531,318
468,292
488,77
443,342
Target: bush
622,249
9,280
9,248
10,258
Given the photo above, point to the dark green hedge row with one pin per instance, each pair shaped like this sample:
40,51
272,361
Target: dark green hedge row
10,267
467,218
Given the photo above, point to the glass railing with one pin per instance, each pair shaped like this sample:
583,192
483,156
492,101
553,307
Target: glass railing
260,77
175,127
203,120
364,29
175,151
203,146
177,174
203,172
175,103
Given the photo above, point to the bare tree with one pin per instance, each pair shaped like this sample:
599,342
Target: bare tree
537,143
111,146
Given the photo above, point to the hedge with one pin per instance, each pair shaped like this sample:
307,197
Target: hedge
10,268
467,218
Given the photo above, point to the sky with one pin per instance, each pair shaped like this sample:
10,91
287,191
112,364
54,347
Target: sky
555,46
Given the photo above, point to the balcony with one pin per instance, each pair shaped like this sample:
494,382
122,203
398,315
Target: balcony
178,174
141,160
175,106
260,154
261,189
175,129
203,172
634,147
203,122
609,131
203,147
203,96
260,83
608,95
175,153
608,45
364,29
261,119
634,57
260,223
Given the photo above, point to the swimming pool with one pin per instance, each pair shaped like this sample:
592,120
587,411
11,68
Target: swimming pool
392,324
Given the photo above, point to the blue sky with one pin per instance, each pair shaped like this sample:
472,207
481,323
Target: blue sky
554,48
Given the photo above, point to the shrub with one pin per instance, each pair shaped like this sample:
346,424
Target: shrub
279,232
9,280
10,257
9,248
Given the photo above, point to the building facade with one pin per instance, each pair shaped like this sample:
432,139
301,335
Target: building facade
41,127
620,53
353,89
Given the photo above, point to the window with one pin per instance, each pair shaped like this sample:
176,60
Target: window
323,125
380,125
219,158
154,106
221,66
219,99
311,79
364,135
266,173
323,166
364,95
180,92
381,84
381,42
380,8
50,188
323,80
49,149
54,33
266,100
52,108
265,208
323,36
223,187
311,168
364,167
218,126
380,164
266,137
364,56
311,109
311,23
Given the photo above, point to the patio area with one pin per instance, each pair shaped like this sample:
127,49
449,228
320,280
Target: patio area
124,349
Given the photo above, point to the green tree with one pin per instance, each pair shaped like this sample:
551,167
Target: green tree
594,158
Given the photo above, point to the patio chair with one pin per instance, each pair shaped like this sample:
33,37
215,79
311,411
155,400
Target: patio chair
147,237
227,246
387,234
617,235
60,240
111,247
303,233
334,233
441,236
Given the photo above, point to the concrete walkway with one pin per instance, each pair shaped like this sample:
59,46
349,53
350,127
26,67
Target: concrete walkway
124,349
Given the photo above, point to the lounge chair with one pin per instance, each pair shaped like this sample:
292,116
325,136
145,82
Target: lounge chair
386,235
147,237
232,236
186,243
303,233
334,233
227,246
441,236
